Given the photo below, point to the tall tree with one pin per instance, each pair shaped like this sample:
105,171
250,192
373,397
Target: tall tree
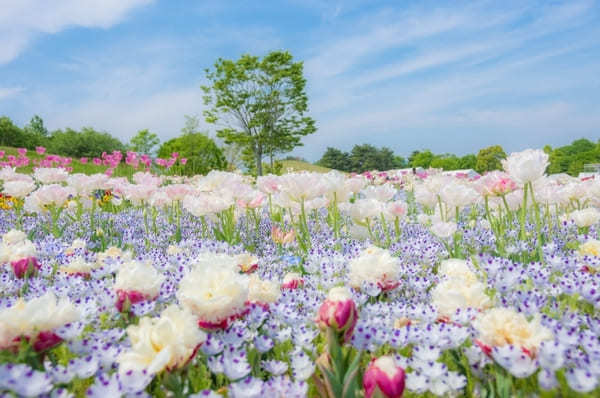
10,134
144,142
260,104
421,159
192,125
334,158
201,153
490,159
36,126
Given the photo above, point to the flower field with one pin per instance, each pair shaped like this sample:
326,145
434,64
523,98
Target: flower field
385,284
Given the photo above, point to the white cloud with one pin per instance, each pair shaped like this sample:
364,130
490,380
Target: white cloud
7,92
21,21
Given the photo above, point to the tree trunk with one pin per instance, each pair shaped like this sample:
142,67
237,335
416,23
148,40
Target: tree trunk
258,155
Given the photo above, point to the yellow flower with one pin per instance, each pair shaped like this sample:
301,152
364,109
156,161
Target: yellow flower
590,248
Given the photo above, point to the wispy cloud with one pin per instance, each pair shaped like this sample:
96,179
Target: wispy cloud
7,92
21,21
449,76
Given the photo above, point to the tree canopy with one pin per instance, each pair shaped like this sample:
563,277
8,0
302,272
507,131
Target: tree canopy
260,104
144,142
201,153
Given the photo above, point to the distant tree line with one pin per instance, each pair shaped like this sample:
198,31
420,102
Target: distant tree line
566,159
200,152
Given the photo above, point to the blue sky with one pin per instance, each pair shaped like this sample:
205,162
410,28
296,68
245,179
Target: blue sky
449,76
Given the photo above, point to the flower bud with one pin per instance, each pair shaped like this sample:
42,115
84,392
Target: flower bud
25,266
292,280
385,377
338,312
125,298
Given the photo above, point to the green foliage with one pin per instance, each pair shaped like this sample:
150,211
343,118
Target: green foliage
446,162
36,126
86,143
144,142
334,158
10,134
489,159
571,158
201,152
361,158
259,104
421,159
467,162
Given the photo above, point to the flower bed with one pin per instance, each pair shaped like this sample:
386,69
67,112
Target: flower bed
385,284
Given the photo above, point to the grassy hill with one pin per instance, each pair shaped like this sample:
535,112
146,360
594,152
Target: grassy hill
78,167
298,165
126,171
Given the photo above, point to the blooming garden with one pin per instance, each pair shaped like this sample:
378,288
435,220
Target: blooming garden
384,284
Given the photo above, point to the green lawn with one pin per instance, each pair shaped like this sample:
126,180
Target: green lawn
297,165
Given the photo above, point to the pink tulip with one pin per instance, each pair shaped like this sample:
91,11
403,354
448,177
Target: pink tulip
183,161
223,324
132,296
385,377
292,281
175,155
22,151
40,150
1,154
97,161
338,312
25,266
83,160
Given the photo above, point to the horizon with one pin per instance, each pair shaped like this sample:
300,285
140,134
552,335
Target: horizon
453,78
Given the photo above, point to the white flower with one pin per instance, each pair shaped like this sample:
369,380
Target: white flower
585,217
13,236
302,186
44,313
77,244
15,246
364,209
457,268
113,252
52,195
47,175
18,189
78,265
139,276
213,294
425,196
526,166
504,326
374,265
167,342
339,293
262,291
444,230
381,193
453,294
458,195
